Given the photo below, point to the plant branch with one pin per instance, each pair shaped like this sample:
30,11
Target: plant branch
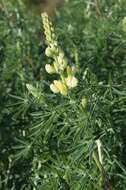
98,8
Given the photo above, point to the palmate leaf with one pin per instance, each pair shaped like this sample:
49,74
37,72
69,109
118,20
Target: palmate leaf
23,149
21,105
47,120
42,127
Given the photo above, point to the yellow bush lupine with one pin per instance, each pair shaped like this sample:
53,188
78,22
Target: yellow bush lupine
60,66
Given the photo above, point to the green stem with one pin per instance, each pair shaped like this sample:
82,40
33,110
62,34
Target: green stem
99,165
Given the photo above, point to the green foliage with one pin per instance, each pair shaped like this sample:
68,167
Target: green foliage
48,141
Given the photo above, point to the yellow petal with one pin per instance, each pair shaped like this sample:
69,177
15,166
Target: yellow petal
71,81
54,88
61,87
50,68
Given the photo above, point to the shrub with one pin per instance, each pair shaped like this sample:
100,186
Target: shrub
73,139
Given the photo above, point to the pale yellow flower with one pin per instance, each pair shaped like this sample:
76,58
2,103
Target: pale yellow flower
54,88
60,64
71,81
61,87
50,68
51,50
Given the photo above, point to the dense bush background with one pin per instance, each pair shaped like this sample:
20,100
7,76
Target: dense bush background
46,140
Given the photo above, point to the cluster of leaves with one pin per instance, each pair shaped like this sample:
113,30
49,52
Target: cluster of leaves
47,141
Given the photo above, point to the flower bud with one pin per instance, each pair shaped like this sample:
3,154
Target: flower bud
62,61
50,68
71,81
71,70
63,65
56,66
54,48
49,52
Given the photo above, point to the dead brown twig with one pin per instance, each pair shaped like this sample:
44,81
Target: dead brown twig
98,8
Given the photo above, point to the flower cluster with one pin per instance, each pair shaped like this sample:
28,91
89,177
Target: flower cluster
67,79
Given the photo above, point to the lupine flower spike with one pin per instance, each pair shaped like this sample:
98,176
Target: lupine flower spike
60,66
